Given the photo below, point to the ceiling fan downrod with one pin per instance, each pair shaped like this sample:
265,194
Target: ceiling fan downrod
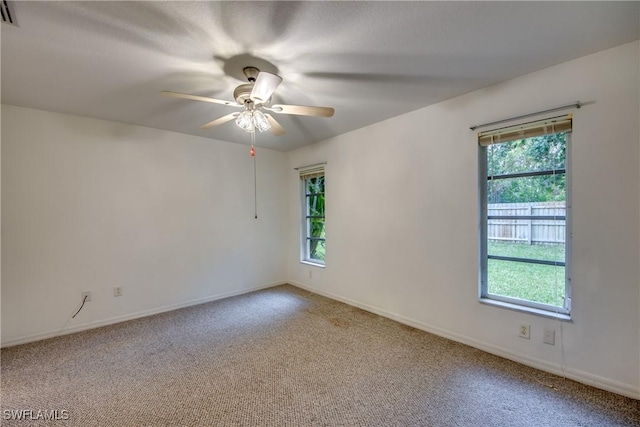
251,73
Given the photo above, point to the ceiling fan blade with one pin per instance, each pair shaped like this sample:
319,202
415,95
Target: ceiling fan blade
221,120
265,85
276,129
200,98
302,110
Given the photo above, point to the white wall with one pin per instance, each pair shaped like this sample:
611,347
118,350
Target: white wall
402,222
90,204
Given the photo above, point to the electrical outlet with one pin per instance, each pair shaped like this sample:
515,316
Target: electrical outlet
310,273
525,331
86,294
117,291
549,336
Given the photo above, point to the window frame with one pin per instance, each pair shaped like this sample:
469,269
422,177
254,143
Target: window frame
562,313
305,229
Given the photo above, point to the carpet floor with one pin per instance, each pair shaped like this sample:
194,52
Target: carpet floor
287,357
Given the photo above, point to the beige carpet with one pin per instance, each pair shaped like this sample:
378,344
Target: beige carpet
286,357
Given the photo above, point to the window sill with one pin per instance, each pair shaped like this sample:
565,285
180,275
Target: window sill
315,264
530,310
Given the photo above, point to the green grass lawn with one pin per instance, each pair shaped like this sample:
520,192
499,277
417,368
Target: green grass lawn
533,282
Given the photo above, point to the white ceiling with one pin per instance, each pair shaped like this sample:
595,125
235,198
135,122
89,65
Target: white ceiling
369,60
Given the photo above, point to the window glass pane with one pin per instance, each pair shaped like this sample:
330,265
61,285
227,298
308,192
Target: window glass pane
316,227
316,205
545,188
316,250
315,185
543,284
542,239
544,252
541,153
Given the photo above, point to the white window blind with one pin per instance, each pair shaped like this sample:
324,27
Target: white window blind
526,130
312,172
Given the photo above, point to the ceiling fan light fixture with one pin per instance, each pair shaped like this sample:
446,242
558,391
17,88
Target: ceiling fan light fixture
260,121
245,121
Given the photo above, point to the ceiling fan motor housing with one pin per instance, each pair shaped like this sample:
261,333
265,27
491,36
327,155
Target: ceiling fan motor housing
241,93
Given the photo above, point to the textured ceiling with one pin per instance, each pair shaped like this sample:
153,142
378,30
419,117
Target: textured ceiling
369,60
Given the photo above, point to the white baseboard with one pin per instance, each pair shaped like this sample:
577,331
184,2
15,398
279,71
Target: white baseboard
553,368
104,322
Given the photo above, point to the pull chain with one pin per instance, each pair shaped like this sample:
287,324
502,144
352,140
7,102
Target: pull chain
255,178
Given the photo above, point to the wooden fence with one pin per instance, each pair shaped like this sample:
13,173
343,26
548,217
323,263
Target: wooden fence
527,231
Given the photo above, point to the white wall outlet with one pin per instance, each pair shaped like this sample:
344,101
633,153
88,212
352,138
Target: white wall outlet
310,273
117,291
524,331
549,336
86,294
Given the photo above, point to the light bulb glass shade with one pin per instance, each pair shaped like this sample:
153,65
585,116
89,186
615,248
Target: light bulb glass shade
260,121
245,121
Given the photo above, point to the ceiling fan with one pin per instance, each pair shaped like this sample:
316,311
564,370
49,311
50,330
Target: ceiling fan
254,97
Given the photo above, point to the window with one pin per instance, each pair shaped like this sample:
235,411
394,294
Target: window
313,224
525,216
